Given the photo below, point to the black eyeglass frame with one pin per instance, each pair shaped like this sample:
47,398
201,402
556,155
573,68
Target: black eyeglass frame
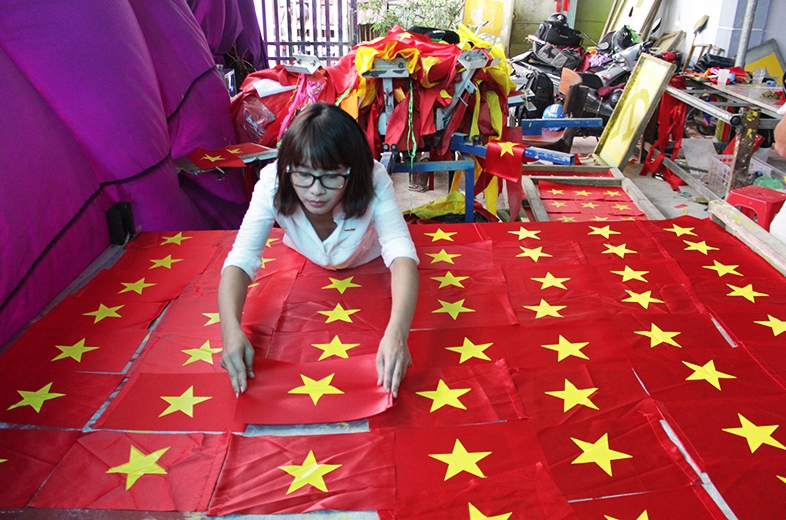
314,178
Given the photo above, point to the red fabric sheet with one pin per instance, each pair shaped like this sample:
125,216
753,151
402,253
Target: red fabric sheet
103,314
683,502
349,472
114,470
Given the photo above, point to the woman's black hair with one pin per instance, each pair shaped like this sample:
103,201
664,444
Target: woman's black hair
324,137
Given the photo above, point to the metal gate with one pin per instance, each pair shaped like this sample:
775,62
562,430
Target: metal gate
323,28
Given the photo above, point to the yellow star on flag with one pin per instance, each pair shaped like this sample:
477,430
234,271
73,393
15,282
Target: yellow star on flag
203,353
620,250
558,204
534,253
265,261
583,193
445,396
598,452
598,218
644,299
442,256
469,350
270,241
454,309
506,147
441,235
755,435
334,348
782,479
212,318
74,351
707,372
449,279
572,396
235,151
3,460
167,262
723,269
339,314
523,233
544,308
139,465
104,312
461,460
175,239
475,514
310,473
136,287
341,285
702,247
612,193
604,231
565,348
36,399
628,274
551,281
212,158
679,231
183,403
658,336
777,326
746,292
590,205
555,191
566,218
316,389
642,516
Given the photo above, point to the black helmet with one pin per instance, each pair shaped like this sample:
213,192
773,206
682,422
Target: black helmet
558,18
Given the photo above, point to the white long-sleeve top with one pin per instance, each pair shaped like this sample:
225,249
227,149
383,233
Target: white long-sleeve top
355,241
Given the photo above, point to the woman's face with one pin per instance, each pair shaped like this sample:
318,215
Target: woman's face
319,191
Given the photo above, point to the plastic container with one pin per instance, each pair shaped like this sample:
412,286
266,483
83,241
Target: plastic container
720,170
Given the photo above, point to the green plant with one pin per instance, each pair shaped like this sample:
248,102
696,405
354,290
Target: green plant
440,14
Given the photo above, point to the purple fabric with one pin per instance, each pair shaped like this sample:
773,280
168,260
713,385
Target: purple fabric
228,24
96,99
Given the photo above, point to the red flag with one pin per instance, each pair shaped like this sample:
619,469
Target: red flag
180,354
329,391
339,314
41,348
205,159
267,475
471,310
53,398
131,285
444,234
332,285
197,316
459,346
310,347
503,159
462,281
102,314
472,256
28,457
703,374
529,492
171,264
468,394
173,402
115,470
528,253
665,331
760,325
683,502
574,393
623,451
174,241
477,463
245,148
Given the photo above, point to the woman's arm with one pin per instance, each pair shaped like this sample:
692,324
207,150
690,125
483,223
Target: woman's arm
393,357
237,356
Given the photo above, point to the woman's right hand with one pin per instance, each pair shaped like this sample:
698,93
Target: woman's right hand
237,358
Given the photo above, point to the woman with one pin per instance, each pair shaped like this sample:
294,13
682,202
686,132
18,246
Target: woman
337,207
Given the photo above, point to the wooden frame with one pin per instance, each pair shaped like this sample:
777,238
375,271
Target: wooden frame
637,196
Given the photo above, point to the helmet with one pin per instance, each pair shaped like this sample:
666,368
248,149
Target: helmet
554,111
558,18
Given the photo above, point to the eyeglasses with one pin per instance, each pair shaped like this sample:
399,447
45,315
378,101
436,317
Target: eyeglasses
329,181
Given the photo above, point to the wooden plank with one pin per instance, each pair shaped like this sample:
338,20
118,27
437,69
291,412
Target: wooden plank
755,237
533,198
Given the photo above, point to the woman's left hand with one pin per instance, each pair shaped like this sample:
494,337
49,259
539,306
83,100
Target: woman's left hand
393,359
